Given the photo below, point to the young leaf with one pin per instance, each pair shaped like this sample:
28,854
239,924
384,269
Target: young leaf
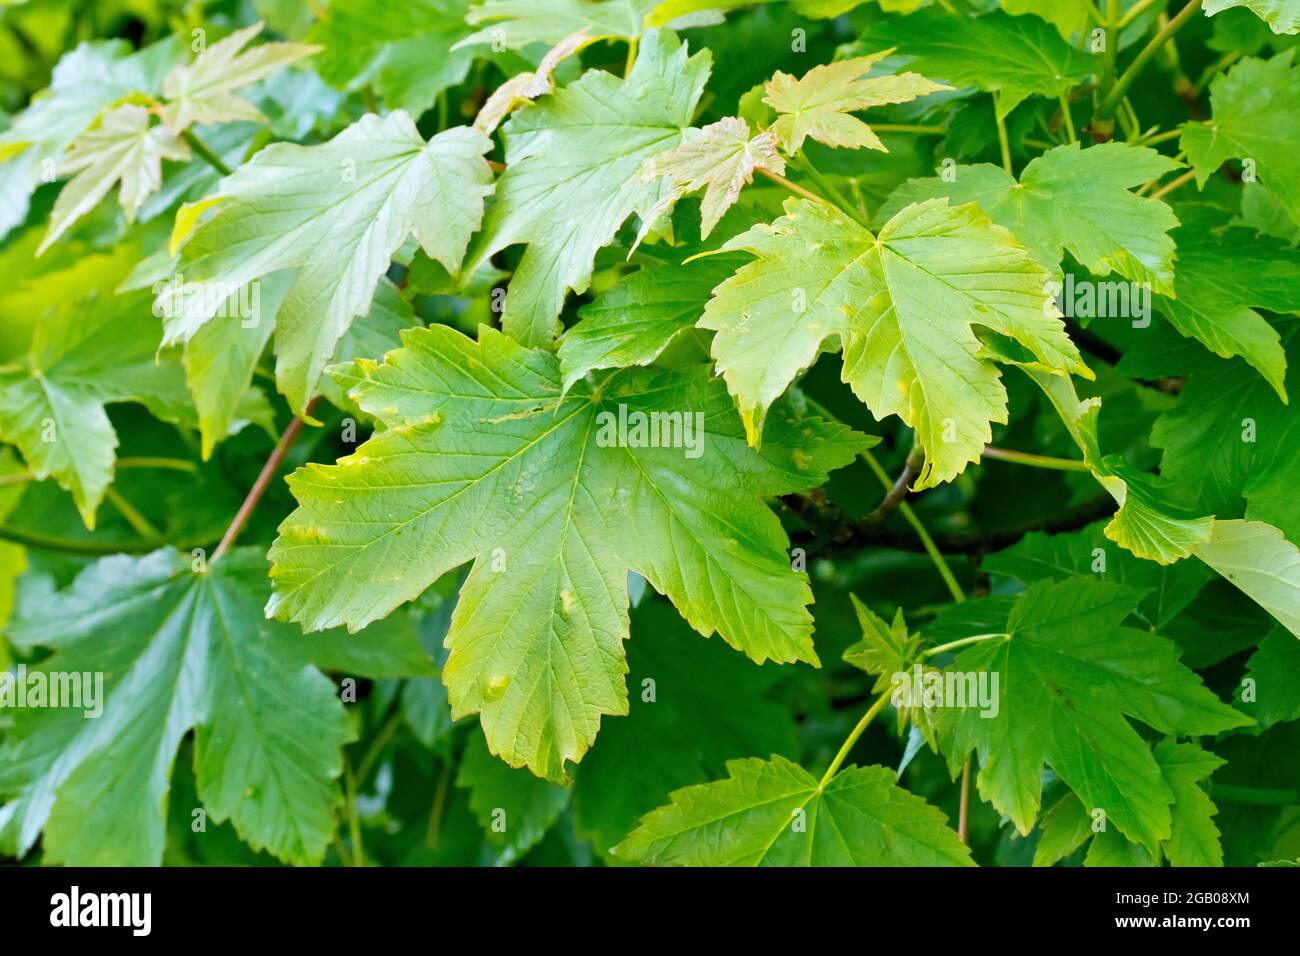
403,48
1069,675
1015,57
93,76
485,458
1075,199
527,86
721,159
179,650
335,213
885,649
204,91
904,304
122,148
572,177
1246,102
774,813
819,103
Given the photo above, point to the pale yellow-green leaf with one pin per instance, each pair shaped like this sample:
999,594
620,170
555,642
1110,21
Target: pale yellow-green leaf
123,148
486,459
903,305
525,87
720,159
204,91
820,103
335,213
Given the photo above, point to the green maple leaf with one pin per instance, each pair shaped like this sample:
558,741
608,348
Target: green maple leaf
903,303
1230,437
1273,668
514,808
1221,272
486,458
888,650
573,176
122,148
1282,16
1245,103
1016,57
819,104
1087,553
82,357
516,23
204,91
401,48
335,213
775,813
85,81
1257,559
885,649
178,651
720,159
1069,675
678,685
1075,199
1063,829
643,314
1193,838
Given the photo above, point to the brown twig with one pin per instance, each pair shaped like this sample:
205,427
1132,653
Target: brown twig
261,484
894,497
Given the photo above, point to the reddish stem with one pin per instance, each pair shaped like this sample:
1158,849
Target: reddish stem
262,483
